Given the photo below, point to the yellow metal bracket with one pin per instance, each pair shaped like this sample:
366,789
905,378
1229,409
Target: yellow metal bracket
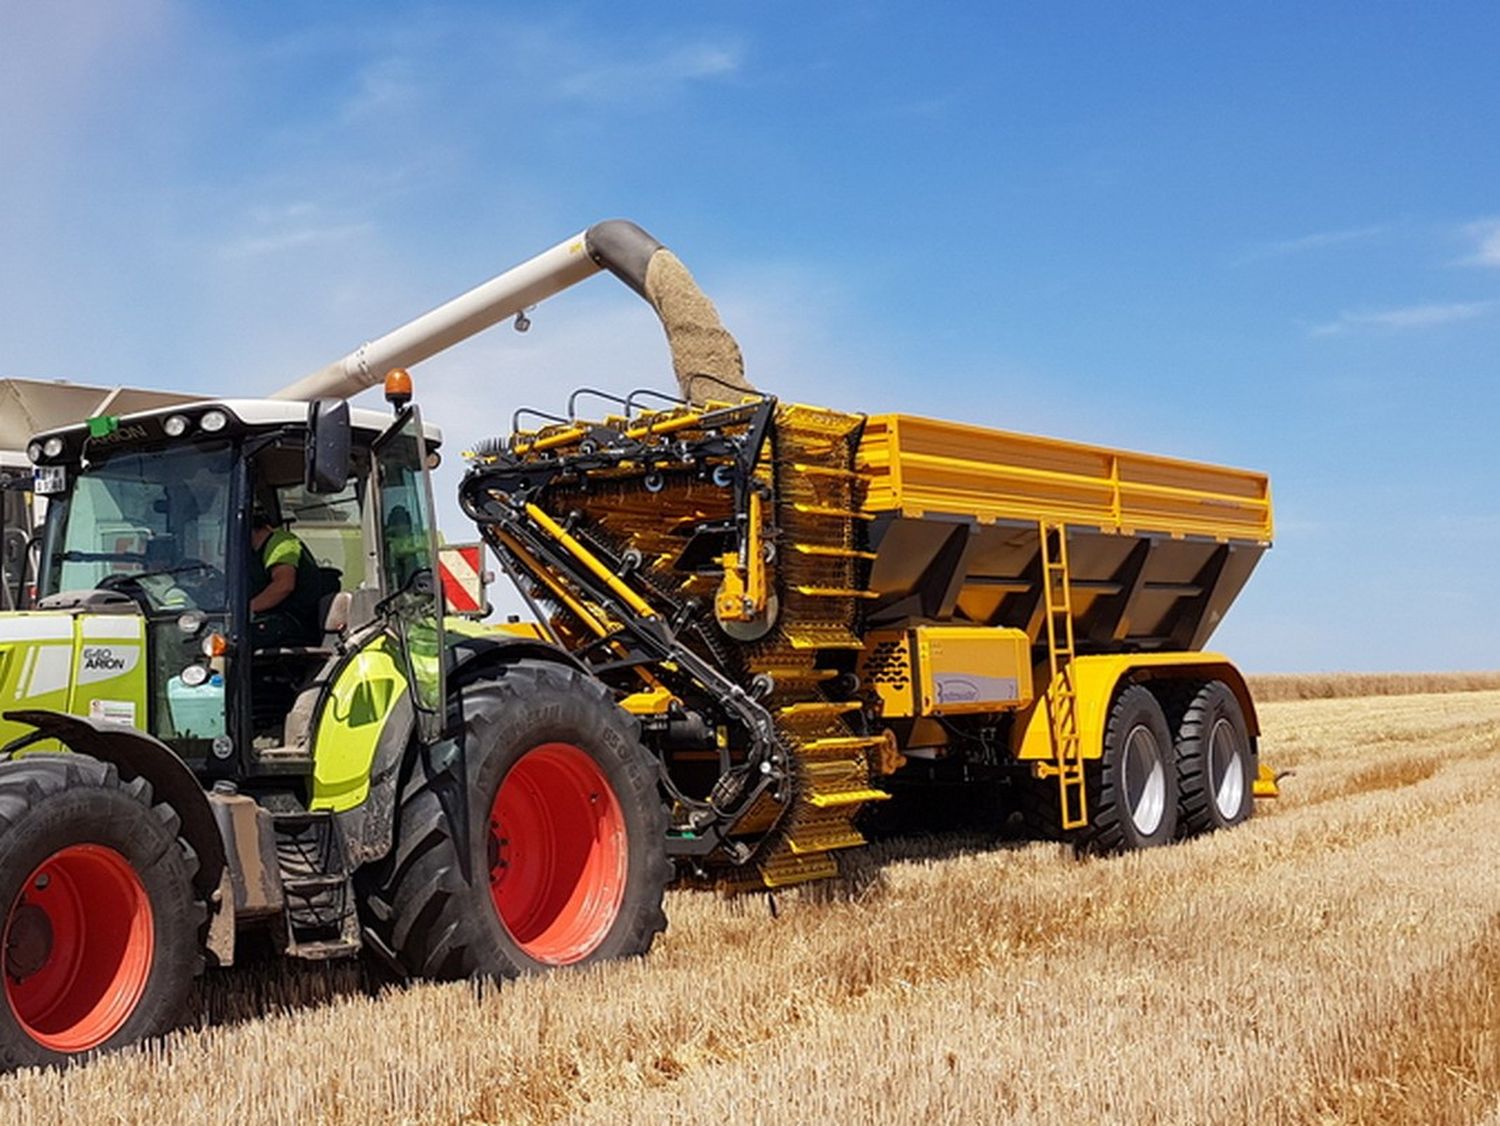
590,561
1265,785
742,595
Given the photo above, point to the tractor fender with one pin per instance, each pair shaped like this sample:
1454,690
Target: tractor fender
473,657
369,828
138,755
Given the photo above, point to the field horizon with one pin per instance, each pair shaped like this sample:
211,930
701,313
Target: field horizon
1272,687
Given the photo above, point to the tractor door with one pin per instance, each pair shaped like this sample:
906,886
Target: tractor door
407,548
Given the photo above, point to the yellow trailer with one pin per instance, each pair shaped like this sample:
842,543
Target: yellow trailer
811,611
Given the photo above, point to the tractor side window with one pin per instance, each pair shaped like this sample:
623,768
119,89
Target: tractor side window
330,527
408,545
405,519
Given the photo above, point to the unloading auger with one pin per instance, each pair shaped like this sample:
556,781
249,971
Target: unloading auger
705,356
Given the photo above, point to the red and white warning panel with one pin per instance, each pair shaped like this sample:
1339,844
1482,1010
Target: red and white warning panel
461,568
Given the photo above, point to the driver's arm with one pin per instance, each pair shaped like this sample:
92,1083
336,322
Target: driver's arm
283,582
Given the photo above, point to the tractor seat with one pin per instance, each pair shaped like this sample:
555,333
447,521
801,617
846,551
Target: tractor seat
333,610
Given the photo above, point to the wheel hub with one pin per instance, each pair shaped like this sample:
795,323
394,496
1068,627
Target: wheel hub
1227,776
28,944
1145,781
498,846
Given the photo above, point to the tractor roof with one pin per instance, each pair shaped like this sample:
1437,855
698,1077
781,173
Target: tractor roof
244,415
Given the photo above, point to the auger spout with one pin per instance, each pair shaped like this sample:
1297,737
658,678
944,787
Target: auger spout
705,356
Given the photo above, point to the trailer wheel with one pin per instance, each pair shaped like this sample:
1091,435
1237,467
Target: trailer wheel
566,838
101,925
1132,789
1215,761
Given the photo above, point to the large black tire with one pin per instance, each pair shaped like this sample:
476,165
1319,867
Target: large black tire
1216,762
562,800
102,930
1132,788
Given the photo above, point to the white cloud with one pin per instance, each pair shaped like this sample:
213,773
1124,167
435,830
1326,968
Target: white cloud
273,229
1283,248
1406,317
1486,236
292,238
651,72
387,85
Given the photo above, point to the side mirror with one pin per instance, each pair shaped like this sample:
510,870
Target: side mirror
329,435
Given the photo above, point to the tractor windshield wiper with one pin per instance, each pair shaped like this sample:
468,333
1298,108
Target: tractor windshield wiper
132,557
179,569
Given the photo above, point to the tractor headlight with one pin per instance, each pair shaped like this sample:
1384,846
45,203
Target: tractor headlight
34,452
175,425
214,421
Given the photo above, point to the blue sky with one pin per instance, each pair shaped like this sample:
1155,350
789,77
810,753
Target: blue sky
1267,235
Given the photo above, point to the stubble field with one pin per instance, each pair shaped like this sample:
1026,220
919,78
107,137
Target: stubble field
1337,959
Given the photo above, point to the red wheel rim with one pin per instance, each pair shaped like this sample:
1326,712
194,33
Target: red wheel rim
558,853
78,947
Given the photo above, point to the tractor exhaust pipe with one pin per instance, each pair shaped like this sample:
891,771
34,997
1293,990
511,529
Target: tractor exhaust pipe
705,357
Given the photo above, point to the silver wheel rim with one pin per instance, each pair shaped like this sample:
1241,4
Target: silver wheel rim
1145,781
1226,767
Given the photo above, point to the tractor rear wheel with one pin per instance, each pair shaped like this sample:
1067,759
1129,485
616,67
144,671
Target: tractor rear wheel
566,837
100,928
1132,789
1215,761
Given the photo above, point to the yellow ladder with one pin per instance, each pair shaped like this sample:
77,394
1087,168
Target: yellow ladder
1057,596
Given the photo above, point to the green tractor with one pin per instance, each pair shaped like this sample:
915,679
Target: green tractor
455,800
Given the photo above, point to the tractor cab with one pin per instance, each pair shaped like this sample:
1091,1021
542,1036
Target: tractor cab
148,560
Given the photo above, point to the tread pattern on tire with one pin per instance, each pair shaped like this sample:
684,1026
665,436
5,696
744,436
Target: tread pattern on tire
425,920
1106,831
28,786
1198,812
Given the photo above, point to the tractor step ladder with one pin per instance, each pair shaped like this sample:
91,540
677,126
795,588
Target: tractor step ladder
321,916
1057,598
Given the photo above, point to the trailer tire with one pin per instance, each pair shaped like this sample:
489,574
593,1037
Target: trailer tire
1216,764
102,929
566,838
1036,802
1132,788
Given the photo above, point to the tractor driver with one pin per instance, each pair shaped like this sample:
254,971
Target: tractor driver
285,584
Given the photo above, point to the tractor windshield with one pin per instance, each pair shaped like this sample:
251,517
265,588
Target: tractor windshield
153,525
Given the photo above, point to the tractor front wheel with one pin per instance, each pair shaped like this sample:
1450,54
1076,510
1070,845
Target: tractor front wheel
538,840
99,923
